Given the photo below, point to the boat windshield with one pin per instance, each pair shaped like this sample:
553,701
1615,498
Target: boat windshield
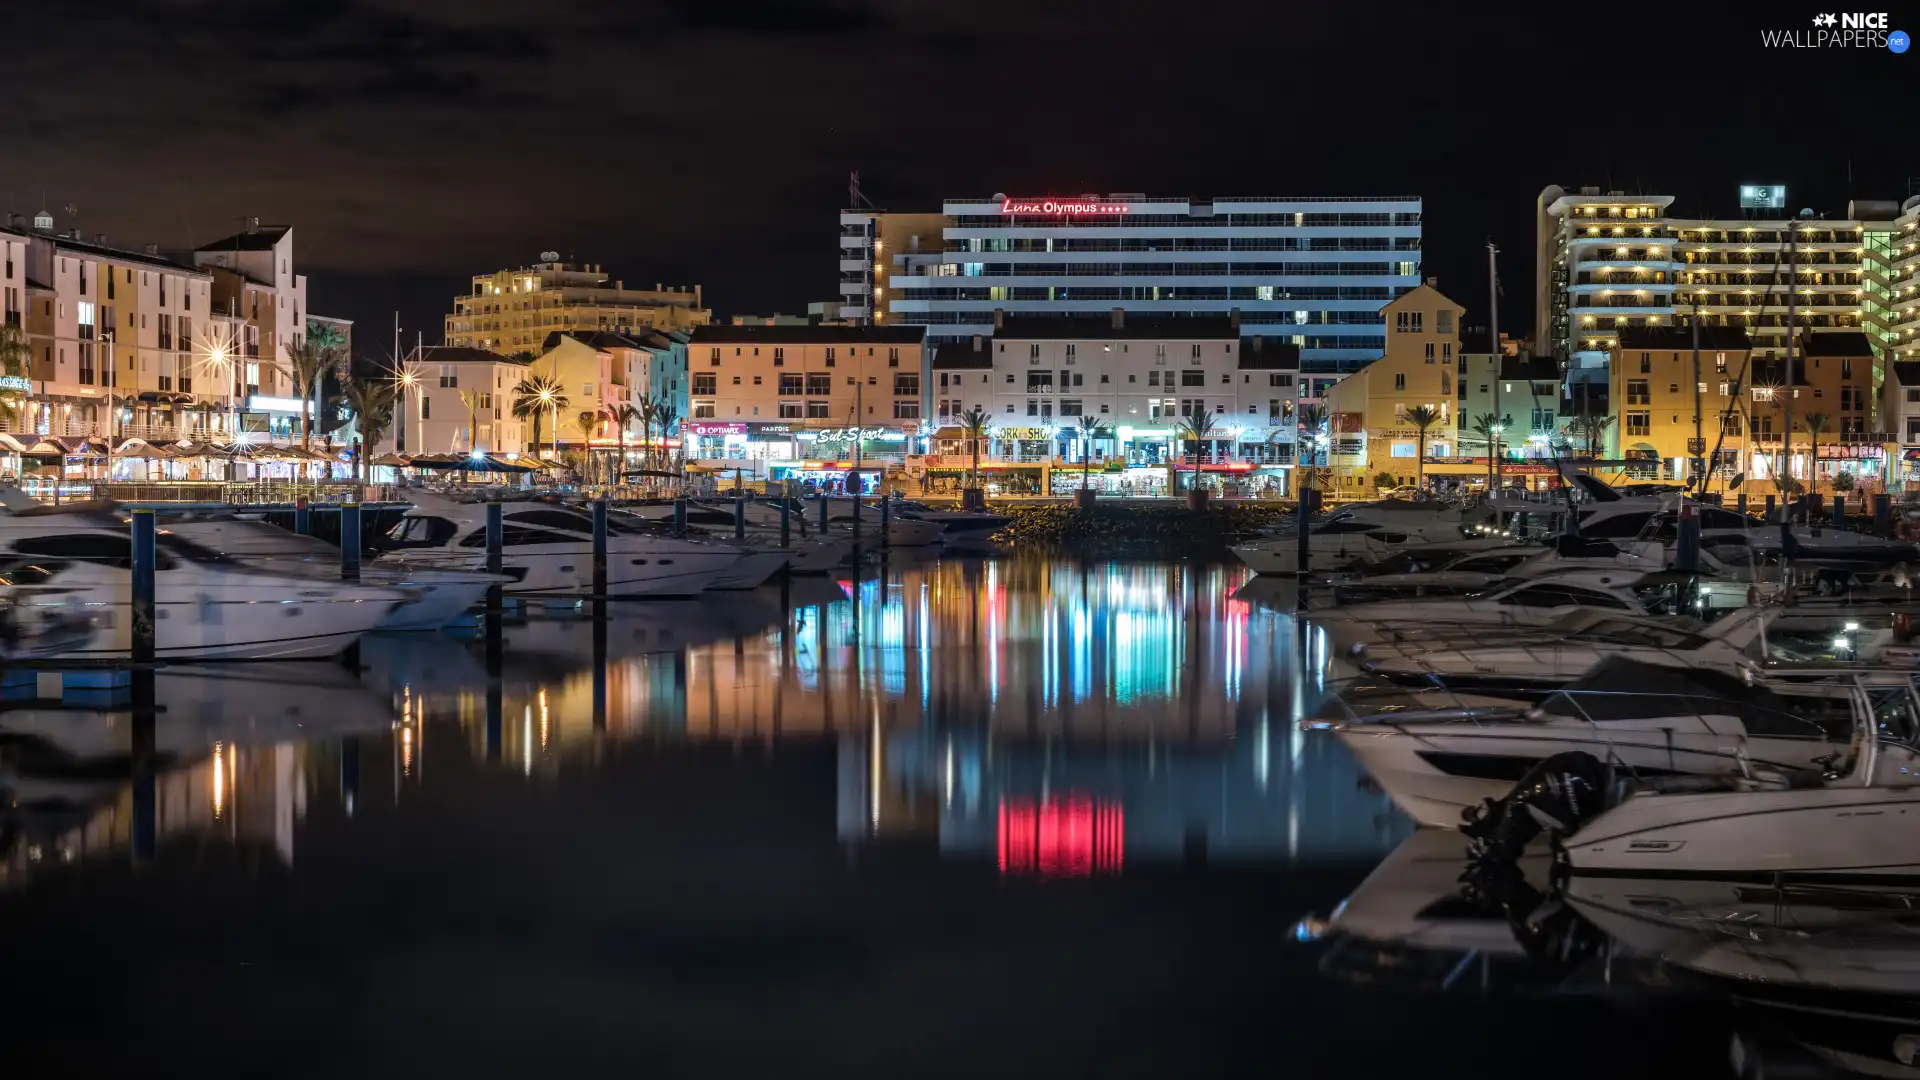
421,531
1893,713
1661,691
191,551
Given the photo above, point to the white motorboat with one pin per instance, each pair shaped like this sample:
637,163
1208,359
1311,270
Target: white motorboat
1851,822
960,530
436,597
548,549
905,532
75,570
1518,603
1365,533
1646,719
804,552
1416,573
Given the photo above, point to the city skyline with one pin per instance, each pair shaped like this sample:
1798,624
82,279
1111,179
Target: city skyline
382,134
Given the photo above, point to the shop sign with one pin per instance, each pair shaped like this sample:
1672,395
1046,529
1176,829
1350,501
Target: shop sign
1062,207
1348,447
16,382
695,427
871,434
1023,434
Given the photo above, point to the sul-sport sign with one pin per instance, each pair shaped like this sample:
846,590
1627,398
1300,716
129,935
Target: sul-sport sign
1060,207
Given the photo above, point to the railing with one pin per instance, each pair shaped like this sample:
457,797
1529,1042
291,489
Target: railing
209,491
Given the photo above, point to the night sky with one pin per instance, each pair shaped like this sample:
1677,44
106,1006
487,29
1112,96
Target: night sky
414,144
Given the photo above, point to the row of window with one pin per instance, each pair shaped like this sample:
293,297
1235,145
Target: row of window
705,383
805,410
780,354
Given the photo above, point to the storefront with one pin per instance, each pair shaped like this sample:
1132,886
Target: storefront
1112,478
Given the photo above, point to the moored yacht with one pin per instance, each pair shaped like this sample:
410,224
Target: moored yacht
1645,718
1524,602
1851,817
436,597
805,551
1365,533
75,570
548,549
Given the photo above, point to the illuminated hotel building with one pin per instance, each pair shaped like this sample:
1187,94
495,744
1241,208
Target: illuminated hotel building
1903,255
868,241
1607,262
1312,272
513,311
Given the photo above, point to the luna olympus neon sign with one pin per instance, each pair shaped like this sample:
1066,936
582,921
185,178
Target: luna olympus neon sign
1061,207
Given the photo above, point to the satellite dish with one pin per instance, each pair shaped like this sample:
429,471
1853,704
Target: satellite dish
1738,479
549,256
1806,211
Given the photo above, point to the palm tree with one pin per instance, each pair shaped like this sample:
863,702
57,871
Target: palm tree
472,399
649,415
535,396
15,356
1422,417
589,421
1816,424
307,363
1310,420
620,417
1596,432
1488,427
1195,429
666,416
372,402
976,423
1089,431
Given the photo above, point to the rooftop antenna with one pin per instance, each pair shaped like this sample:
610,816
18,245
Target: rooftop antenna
855,199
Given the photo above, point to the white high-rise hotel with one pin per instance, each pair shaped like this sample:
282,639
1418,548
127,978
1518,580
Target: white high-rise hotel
1609,261
1312,272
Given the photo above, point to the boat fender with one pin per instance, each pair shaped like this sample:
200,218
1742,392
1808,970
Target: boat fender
1903,627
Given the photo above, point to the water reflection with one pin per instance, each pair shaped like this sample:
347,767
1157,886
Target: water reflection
1822,980
1044,717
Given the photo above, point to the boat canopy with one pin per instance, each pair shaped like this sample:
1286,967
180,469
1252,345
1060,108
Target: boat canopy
1620,688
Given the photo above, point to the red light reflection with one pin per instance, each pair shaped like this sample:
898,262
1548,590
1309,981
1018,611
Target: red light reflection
1070,836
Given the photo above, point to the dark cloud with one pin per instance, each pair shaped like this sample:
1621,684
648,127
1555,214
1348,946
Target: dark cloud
422,141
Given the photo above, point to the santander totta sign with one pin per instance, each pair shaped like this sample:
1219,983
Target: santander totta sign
1061,207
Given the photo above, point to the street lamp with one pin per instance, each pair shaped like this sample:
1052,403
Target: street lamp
221,358
408,379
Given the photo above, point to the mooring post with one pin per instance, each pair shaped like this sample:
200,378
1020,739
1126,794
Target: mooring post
823,513
786,522
1883,513
739,514
885,519
1309,501
1686,553
350,541
680,515
496,543
599,547
144,543
302,517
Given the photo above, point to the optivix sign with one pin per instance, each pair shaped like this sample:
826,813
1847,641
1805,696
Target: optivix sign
1845,30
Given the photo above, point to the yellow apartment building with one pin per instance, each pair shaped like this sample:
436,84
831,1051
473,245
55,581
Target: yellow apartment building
1367,411
513,311
1744,402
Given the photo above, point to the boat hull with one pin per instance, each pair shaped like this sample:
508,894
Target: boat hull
1868,836
1432,776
